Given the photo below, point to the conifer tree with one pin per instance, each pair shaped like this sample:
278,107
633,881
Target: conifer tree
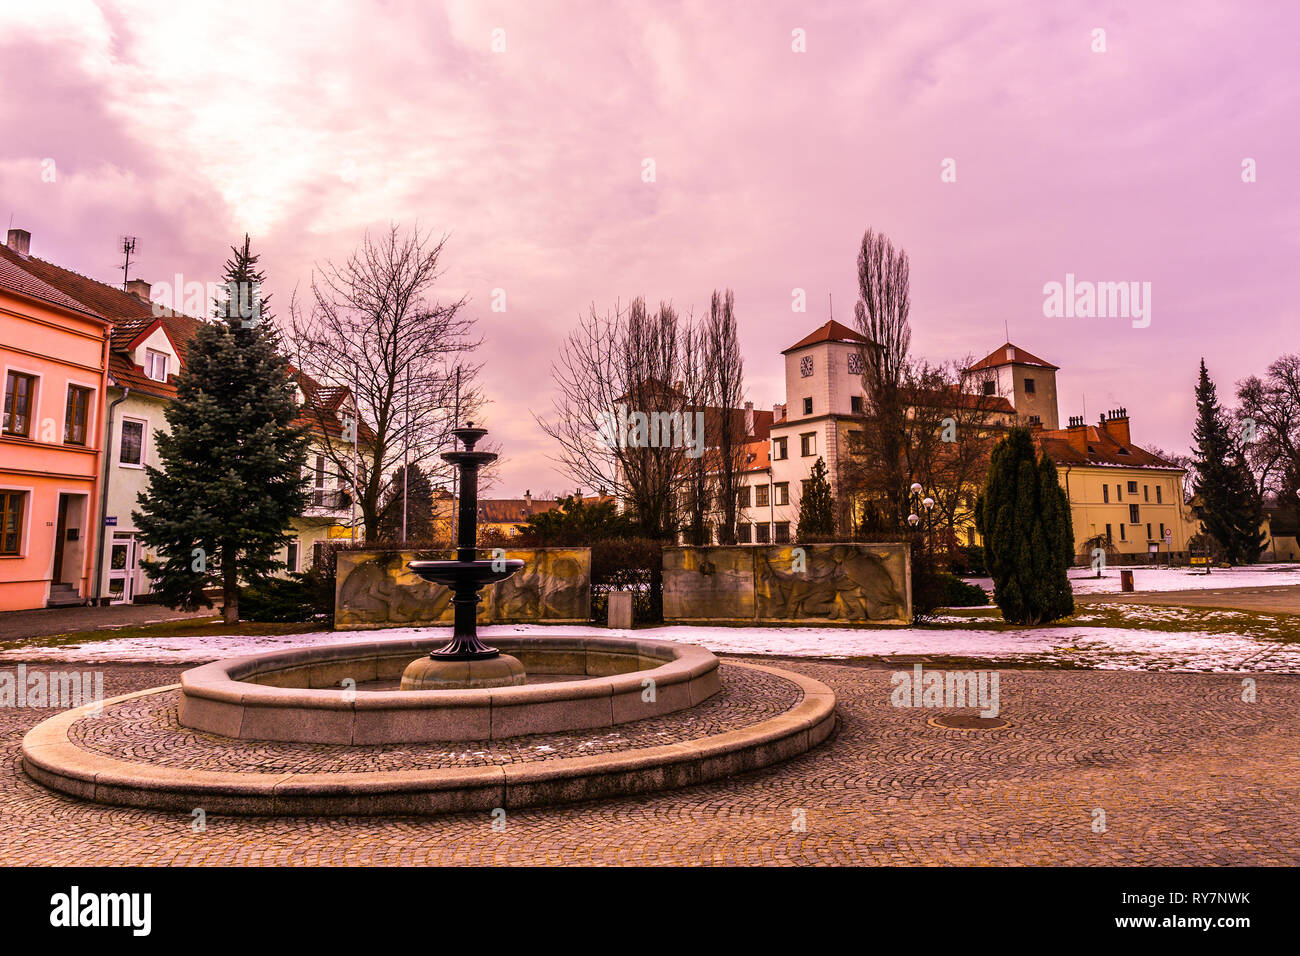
1230,510
419,507
232,476
1028,533
816,509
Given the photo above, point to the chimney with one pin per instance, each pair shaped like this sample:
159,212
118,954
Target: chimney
1077,434
749,419
139,288
528,500
1115,422
778,413
20,241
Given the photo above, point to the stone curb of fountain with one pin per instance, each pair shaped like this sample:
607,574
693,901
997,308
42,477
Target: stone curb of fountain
52,760
221,697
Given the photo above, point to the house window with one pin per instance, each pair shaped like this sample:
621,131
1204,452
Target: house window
20,389
782,491
1162,529
744,532
1035,420
1132,487
808,444
131,451
291,556
11,521
1158,501
1146,492
1133,514
155,365
1119,489
1122,535
1029,386
782,532
1110,536
1105,494
989,386
779,449
760,496
318,495
764,533
807,406
742,496
855,404
74,418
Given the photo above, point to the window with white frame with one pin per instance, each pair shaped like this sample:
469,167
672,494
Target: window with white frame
131,448
155,365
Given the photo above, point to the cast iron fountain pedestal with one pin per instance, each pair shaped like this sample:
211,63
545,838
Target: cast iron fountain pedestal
465,661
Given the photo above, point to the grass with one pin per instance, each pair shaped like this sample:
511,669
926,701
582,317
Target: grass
1144,617
185,627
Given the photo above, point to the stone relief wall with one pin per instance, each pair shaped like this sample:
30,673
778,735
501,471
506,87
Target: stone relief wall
376,589
847,583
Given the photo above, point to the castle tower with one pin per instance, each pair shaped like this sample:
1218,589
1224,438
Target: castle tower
1025,379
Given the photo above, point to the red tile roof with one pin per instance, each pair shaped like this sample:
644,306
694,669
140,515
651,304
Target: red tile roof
832,331
1102,449
17,278
1018,356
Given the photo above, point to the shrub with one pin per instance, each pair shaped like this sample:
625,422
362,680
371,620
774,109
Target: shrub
967,561
279,599
628,564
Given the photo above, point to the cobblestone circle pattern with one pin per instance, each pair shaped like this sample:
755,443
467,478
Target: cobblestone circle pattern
1185,771
147,730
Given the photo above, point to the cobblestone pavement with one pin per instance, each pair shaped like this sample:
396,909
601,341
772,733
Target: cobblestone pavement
147,729
1184,771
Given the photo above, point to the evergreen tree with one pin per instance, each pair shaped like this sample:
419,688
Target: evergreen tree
232,475
1230,507
1028,534
419,508
816,509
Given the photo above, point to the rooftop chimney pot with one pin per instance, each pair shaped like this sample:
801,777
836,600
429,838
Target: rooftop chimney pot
20,241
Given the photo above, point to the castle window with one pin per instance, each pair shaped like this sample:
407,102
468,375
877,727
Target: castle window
1029,386
855,404
807,406
989,387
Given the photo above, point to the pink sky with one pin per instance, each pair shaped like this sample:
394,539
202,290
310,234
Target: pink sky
166,121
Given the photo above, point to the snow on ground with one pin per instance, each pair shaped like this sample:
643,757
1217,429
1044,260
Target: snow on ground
1100,647
1149,578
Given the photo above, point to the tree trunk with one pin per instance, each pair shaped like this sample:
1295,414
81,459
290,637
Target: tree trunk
230,586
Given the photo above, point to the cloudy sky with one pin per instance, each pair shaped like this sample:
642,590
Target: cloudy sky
187,124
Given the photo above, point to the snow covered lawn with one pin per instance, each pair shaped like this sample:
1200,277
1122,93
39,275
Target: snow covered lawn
1099,647
1150,578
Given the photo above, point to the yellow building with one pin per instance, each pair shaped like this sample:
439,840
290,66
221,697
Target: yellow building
1119,493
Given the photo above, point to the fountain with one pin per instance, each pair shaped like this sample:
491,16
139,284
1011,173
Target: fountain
465,661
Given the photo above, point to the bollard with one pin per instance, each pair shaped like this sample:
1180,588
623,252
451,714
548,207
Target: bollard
1126,580
620,609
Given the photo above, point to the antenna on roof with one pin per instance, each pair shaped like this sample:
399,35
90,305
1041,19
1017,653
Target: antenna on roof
831,300
1007,329
128,247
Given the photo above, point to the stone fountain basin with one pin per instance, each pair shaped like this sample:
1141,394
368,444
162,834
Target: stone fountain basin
480,573
298,695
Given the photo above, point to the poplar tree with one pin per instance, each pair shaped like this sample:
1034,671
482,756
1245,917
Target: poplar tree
232,463
1230,507
1028,534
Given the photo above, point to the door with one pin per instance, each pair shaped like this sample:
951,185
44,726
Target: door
60,533
121,570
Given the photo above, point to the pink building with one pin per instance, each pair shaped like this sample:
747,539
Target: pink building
53,362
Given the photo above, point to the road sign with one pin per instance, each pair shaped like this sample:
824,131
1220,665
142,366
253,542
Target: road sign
1200,560
1169,537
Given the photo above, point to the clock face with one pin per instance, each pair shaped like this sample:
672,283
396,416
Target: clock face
855,363
806,366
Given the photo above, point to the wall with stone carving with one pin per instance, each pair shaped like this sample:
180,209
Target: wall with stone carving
377,589
850,583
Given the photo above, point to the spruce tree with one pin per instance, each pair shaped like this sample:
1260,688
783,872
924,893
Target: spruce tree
816,509
1230,510
232,476
1028,534
419,507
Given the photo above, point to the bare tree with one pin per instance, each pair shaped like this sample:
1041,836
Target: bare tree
373,326
724,374
620,388
882,319
1268,425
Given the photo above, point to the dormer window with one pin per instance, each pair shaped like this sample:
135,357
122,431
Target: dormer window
155,365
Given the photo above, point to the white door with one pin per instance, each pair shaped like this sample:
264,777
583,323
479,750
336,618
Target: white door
121,569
